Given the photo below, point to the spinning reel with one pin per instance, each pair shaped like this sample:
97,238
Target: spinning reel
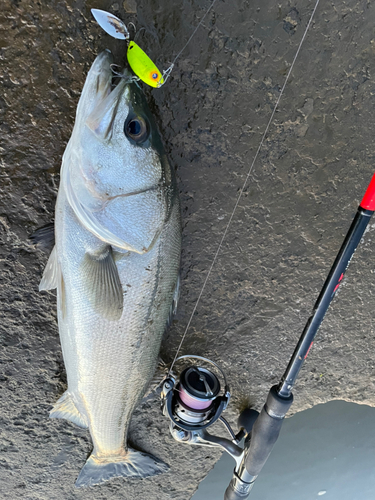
193,402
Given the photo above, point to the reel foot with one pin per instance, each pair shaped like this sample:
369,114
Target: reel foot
247,419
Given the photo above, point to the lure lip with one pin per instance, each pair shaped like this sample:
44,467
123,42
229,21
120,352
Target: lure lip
111,24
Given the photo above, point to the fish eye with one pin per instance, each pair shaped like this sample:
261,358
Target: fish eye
136,128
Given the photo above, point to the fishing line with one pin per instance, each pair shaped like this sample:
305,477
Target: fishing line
168,71
246,179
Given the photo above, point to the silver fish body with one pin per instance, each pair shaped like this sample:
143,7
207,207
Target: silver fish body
115,265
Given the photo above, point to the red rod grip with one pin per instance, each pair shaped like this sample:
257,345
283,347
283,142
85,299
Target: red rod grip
368,202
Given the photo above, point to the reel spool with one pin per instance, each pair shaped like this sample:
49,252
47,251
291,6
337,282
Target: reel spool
192,400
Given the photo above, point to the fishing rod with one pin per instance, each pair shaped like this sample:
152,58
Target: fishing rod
192,401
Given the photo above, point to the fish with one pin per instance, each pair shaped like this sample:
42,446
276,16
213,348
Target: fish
115,265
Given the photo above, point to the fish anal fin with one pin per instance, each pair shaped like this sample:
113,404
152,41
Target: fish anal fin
130,464
65,408
51,273
160,374
102,284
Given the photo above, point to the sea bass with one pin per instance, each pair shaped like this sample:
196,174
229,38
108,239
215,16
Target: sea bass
115,265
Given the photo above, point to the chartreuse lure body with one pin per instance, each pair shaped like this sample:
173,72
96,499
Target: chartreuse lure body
143,66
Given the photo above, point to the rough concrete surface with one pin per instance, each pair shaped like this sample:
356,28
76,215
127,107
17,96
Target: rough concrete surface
298,204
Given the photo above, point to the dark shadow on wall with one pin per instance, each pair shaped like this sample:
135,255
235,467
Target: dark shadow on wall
327,452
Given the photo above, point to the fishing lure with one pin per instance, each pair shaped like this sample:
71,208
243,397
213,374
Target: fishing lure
145,69
138,60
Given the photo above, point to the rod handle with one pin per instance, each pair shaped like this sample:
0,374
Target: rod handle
263,436
266,430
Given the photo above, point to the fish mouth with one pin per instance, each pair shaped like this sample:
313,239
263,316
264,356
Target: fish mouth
102,70
101,119
105,75
102,89
110,87
97,87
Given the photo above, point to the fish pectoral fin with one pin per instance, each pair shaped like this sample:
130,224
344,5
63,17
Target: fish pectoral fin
130,464
65,408
102,284
51,273
44,237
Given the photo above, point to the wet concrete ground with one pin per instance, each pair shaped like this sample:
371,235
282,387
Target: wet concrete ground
298,204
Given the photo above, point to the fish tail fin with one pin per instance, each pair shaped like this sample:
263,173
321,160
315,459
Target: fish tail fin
131,464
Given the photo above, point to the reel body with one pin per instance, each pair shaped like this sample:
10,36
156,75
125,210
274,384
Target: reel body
195,400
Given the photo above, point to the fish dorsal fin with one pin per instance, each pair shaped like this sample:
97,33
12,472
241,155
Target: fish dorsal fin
44,237
51,273
160,373
102,284
65,408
